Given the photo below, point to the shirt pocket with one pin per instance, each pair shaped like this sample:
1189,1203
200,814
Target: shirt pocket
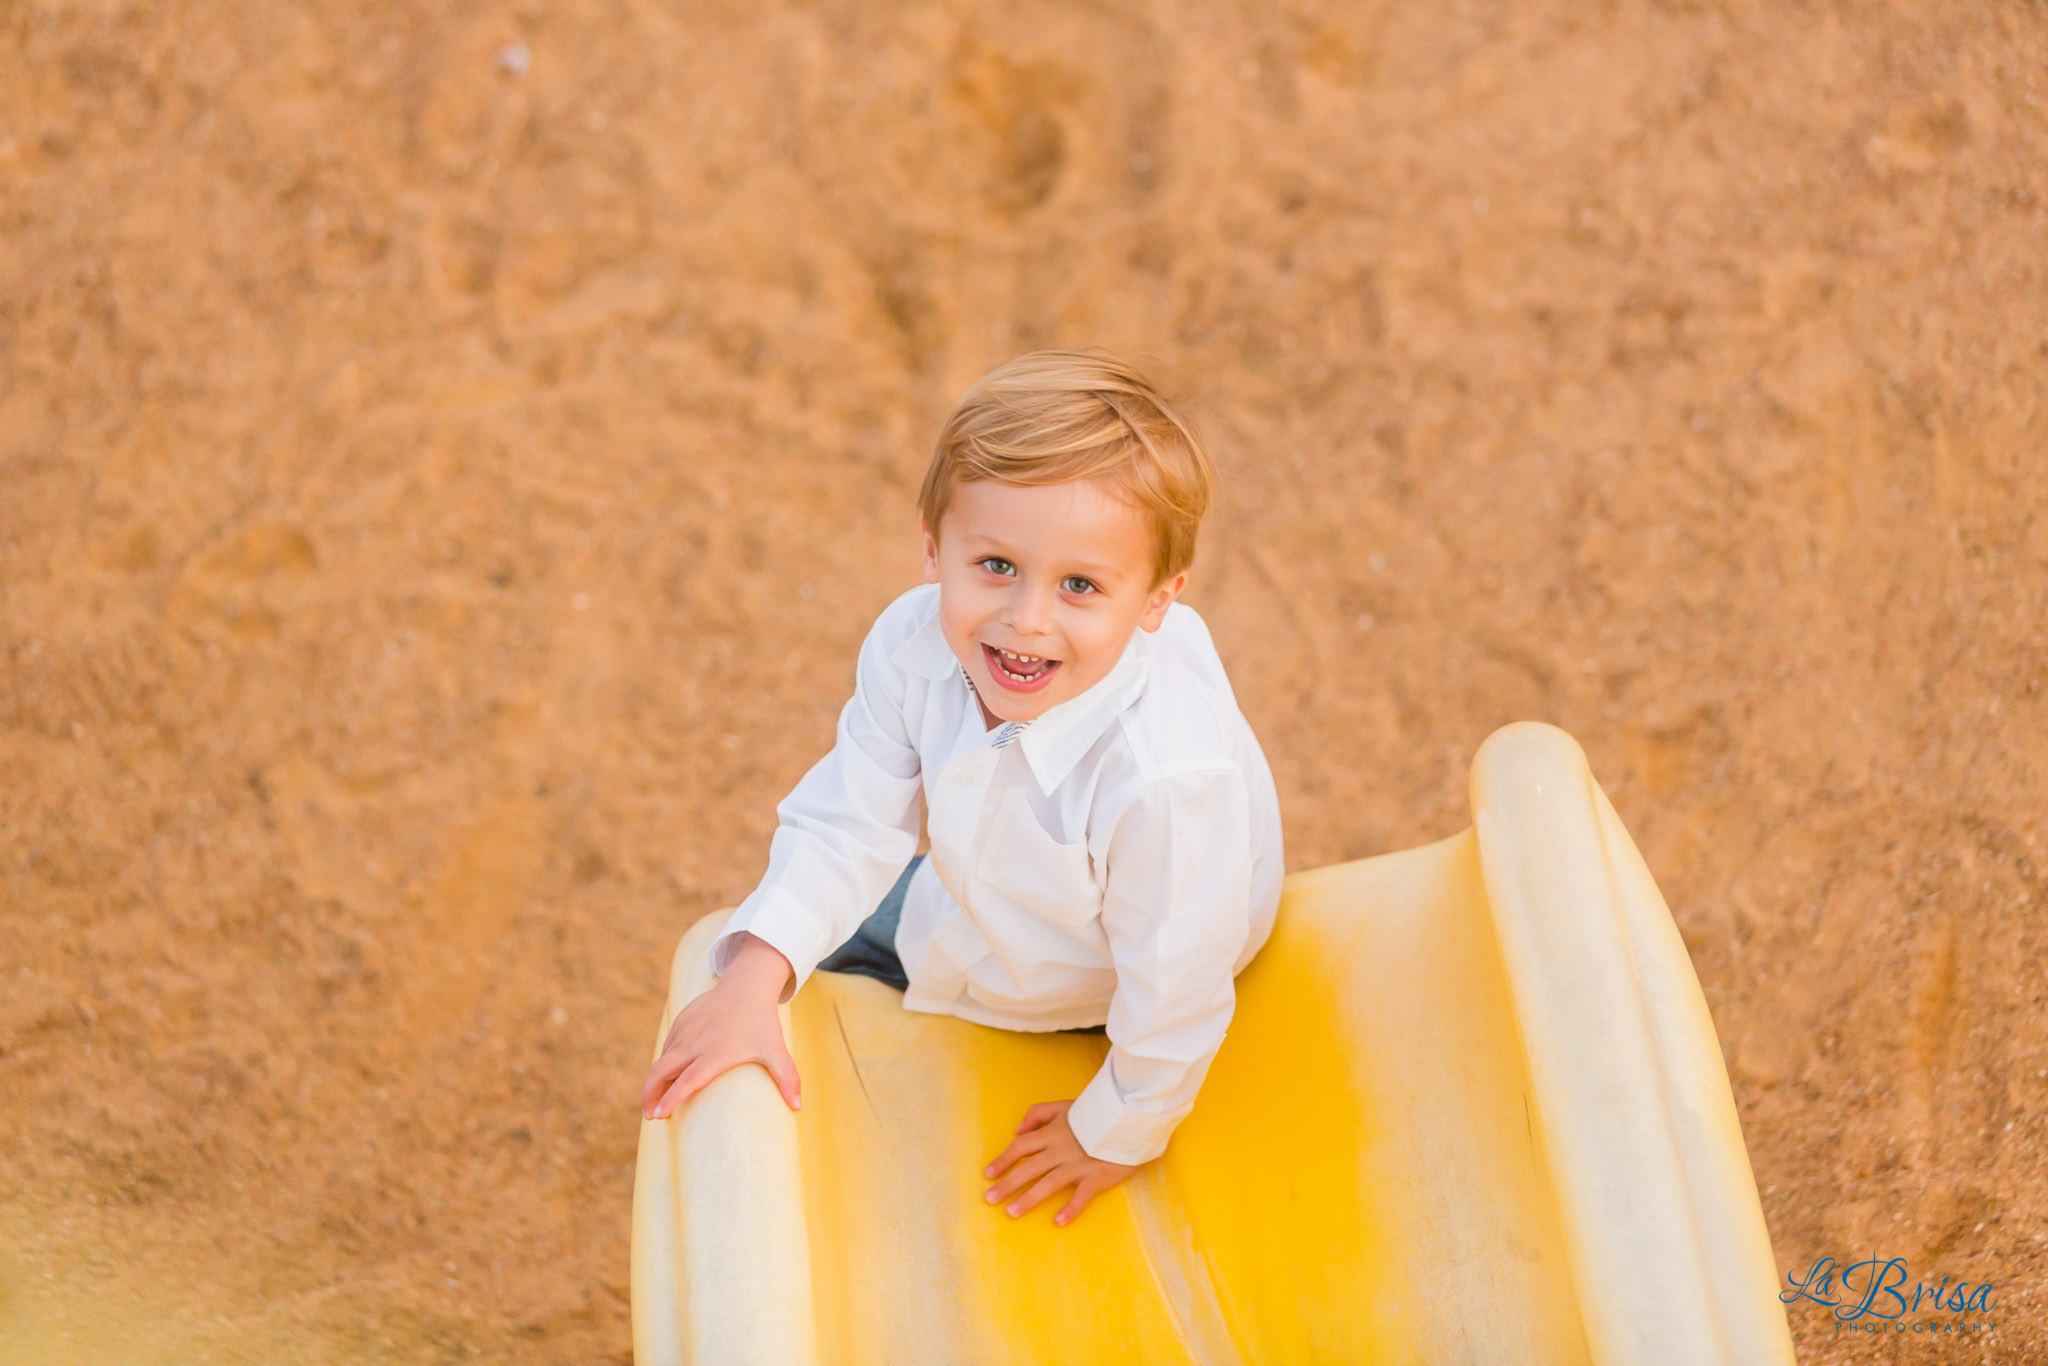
1023,863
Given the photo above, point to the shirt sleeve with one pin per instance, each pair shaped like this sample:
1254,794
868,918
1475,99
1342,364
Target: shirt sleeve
1177,910
843,833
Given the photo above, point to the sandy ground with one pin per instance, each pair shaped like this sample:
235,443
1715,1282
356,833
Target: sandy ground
448,458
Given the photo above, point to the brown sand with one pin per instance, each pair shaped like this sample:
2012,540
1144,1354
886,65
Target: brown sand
438,506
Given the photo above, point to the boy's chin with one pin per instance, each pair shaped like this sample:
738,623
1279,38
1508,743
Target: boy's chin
1013,712
1008,707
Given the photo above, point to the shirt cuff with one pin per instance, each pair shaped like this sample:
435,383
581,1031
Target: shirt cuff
1111,1130
784,922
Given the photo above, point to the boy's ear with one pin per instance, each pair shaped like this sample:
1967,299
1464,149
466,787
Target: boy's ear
931,555
1161,599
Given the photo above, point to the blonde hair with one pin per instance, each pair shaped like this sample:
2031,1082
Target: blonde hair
1049,417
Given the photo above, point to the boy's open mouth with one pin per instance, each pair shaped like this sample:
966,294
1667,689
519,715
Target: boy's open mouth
1019,673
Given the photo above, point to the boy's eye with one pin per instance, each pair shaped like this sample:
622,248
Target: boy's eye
1073,583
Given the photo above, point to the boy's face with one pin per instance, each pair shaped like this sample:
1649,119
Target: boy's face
1058,571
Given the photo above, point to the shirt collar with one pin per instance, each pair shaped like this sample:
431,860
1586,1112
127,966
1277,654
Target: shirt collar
926,652
1055,741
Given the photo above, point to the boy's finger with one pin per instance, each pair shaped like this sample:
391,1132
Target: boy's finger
688,1084
1019,1147
1083,1193
1049,1184
1042,1113
782,1067
666,1069
1032,1167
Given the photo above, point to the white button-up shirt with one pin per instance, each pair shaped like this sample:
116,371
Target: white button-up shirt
1116,860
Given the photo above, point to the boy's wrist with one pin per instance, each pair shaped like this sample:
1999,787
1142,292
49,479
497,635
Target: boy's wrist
757,966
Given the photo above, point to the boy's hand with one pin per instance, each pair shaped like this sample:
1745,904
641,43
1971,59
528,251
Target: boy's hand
1049,1158
734,1022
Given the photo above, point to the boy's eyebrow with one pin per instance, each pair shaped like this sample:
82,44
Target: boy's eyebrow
1101,571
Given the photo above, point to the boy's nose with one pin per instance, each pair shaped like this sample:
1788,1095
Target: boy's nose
1028,615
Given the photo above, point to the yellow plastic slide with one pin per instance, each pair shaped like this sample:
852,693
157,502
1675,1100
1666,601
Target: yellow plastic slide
1471,1110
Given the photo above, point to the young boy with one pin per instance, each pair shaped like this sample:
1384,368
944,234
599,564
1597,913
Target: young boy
1105,836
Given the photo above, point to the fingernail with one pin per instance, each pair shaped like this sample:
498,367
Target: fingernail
989,1196
1014,1209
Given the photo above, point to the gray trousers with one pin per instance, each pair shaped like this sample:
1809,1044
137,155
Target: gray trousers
872,950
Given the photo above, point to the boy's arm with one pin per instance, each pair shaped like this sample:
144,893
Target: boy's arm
844,831
1177,910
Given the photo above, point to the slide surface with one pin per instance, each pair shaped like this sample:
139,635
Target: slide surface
1471,1110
